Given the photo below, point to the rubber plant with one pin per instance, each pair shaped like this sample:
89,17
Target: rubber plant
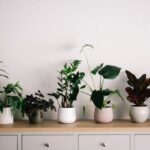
2,72
138,89
101,96
69,81
12,96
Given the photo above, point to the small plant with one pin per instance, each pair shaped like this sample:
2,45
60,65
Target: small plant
31,103
12,96
69,84
104,72
138,91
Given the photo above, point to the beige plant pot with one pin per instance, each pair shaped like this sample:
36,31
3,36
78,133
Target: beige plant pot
139,113
104,115
66,115
6,117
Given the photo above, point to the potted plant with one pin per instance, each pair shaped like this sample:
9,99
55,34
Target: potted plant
138,92
101,96
12,100
69,81
34,105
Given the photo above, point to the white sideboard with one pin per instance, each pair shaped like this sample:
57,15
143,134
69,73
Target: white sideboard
82,135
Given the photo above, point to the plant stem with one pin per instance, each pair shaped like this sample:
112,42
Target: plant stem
89,70
6,100
85,93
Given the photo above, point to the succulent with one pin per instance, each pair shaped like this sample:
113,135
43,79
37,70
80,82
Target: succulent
138,91
69,81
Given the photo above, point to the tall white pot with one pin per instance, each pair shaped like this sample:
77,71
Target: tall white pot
6,117
104,115
66,115
138,113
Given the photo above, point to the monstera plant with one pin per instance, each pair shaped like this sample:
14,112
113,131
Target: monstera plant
101,96
138,92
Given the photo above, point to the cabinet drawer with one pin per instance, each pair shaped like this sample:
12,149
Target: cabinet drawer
104,142
142,142
8,142
45,142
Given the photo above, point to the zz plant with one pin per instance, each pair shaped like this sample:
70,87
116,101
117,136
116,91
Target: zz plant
69,81
138,89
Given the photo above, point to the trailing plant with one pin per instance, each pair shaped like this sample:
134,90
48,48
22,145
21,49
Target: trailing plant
69,81
101,96
12,96
31,103
138,89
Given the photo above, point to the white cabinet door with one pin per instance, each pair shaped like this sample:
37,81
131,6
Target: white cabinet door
142,142
48,142
104,142
8,142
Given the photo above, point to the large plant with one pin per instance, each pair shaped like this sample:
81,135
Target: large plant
12,96
69,81
31,103
101,96
138,89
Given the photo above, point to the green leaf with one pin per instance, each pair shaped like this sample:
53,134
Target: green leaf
109,72
106,92
83,86
97,68
97,98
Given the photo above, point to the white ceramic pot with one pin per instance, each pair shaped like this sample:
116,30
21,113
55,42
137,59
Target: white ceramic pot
139,113
66,115
6,117
104,115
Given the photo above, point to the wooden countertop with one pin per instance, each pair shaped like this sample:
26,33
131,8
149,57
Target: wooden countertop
78,126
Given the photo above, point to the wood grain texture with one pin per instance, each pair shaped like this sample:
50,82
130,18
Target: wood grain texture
78,126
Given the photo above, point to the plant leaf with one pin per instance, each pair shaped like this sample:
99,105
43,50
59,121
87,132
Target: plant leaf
109,72
97,68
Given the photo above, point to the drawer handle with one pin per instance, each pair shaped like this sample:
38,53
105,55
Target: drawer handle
47,145
103,144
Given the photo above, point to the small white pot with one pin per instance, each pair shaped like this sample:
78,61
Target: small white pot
6,117
66,115
104,115
139,113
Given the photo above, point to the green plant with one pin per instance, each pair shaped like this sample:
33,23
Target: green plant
31,103
69,84
2,72
104,72
12,96
138,91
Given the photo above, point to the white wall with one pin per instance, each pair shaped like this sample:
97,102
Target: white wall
38,36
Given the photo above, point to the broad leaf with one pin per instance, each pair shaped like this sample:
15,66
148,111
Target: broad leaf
97,68
97,98
109,72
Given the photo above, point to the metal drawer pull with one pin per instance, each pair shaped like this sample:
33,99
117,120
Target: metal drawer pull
47,144
103,144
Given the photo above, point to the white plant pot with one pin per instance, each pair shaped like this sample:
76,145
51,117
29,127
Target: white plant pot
66,115
139,113
6,117
104,115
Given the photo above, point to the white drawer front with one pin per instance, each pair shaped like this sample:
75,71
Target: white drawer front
104,142
8,142
142,142
48,142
